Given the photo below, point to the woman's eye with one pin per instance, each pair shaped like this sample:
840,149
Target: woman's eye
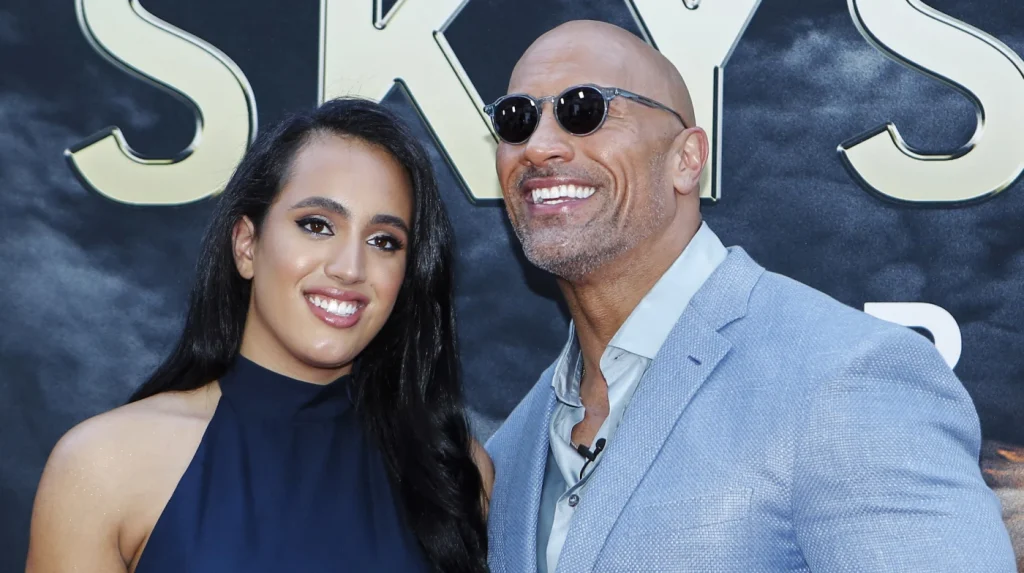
385,243
316,226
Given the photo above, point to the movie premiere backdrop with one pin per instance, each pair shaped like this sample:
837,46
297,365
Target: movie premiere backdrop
869,148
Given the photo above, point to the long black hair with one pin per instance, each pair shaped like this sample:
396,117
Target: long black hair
406,386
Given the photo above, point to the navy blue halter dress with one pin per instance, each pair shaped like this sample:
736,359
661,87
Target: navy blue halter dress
284,480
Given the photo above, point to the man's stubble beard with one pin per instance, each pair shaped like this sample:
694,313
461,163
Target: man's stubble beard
582,250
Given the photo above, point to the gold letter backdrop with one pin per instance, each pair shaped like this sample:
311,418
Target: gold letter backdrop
870,148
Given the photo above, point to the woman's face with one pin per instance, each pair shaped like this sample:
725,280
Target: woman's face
329,260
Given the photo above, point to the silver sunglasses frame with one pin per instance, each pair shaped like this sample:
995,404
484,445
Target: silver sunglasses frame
607,93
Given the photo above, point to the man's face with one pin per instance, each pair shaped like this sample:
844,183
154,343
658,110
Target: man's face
616,179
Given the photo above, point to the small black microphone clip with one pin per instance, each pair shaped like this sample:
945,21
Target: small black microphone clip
590,455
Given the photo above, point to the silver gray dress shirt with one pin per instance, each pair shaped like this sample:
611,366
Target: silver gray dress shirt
623,364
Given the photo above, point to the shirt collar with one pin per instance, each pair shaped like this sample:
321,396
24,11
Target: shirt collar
650,323
566,379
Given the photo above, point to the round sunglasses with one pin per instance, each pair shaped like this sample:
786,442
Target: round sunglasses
580,110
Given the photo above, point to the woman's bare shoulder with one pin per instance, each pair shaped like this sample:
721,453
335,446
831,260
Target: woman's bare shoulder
120,435
100,473
112,450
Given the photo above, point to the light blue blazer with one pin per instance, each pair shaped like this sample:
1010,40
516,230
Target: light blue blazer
776,430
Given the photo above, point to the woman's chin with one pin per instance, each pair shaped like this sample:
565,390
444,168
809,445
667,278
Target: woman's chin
329,360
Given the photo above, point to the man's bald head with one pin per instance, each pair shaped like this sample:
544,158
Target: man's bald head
608,55
581,202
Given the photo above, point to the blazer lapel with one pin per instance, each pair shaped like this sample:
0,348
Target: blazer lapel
520,504
660,398
687,358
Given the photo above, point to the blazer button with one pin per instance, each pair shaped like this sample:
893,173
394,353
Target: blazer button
573,500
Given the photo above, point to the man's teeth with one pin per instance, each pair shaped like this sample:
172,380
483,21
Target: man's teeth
560,193
337,307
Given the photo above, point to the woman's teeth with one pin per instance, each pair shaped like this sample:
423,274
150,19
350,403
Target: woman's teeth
561,193
336,307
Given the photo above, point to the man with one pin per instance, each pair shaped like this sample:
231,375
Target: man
705,414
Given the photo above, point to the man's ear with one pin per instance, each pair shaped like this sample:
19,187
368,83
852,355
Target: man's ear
689,153
243,241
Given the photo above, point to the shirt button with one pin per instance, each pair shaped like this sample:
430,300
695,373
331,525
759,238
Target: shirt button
573,500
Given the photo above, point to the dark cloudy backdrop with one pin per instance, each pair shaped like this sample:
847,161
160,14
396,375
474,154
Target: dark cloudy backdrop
93,291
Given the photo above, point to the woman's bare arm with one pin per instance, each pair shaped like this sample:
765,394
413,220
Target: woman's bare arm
486,468
77,511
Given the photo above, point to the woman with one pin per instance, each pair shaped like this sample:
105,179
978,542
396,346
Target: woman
309,417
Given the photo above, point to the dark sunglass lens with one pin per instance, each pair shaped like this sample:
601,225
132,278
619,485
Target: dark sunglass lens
515,118
580,110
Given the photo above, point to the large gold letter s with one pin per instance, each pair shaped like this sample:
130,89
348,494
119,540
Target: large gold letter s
206,79
987,71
